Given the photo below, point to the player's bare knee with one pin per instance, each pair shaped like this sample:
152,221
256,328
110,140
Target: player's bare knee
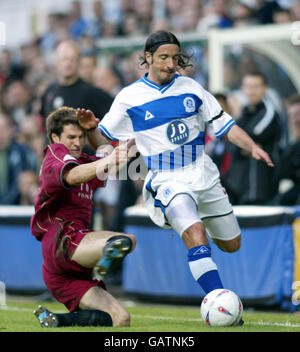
230,246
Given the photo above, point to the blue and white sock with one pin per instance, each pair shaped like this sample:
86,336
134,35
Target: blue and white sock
203,268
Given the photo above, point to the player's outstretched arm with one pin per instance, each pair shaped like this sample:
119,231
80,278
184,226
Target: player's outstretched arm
86,172
89,123
240,138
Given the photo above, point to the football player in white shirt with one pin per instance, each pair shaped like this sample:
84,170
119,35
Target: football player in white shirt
165,113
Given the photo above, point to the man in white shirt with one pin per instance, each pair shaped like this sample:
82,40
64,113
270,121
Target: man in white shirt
165,113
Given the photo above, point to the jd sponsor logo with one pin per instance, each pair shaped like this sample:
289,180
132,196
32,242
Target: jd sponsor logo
177,132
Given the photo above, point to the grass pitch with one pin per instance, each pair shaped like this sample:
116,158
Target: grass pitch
19,317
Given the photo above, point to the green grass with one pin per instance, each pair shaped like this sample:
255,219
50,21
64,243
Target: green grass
18,317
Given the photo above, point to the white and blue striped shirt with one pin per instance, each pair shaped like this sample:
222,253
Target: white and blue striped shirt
167,121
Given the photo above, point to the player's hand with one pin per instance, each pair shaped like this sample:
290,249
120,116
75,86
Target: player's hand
260,154
86,119
119,157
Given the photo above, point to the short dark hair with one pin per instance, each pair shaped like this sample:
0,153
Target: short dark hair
257,73
161,37
60,118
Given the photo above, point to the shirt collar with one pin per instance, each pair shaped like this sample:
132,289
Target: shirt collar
162,88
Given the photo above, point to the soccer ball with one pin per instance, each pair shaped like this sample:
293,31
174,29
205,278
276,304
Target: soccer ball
221,307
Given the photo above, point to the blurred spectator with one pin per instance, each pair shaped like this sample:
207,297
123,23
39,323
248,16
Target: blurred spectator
265,10
192,13
126,6
242,14
28,130
295,11
130,72
14,159
109,29
49,39
174,14
57,31
160,24
94,25
28,53
215,14
78,25
87,46
107,79
144,11
30,135
16,101
87,66
282,16
69,89
28,184
131,25
289,166
8,70
249,181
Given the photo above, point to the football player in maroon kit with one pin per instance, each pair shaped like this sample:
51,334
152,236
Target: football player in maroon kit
74,255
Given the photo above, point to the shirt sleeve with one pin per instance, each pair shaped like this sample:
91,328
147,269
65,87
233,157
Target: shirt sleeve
116,124
101,178
59,161
220,120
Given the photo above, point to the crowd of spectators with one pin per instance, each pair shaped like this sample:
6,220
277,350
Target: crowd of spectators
27,73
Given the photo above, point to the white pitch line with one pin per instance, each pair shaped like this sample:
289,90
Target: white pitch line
161,317
263,323
287,324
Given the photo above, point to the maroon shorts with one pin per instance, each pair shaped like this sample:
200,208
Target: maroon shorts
65,279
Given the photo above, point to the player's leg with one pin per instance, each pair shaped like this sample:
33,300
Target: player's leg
97,308
107,245
229,246
96,298
182,215
219,220
224,231
85,317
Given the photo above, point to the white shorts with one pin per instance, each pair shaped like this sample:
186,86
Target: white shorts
213,205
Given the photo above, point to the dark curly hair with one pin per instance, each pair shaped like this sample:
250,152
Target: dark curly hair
156,39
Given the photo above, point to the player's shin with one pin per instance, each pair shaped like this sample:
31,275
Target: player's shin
85,318
203,268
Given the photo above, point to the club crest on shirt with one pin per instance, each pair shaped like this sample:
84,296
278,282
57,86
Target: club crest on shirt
178,132
189,104
167,192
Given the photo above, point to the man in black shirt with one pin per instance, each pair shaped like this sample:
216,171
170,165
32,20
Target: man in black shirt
289,166
249,181
69,89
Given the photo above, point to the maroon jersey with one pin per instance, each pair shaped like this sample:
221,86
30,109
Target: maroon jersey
58,201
